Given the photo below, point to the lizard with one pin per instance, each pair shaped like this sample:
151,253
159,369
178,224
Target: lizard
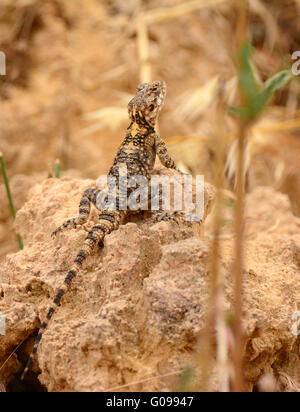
137,153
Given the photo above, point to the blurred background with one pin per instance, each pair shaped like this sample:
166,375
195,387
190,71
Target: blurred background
72,67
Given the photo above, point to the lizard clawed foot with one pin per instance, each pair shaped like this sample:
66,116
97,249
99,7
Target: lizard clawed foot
188,217
175,216
53,234
56,231
164,216
69,224
182,173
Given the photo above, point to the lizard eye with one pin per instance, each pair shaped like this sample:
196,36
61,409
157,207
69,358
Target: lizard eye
141,87
151,108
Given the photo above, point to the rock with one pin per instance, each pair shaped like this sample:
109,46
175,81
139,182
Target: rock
133,315
20,186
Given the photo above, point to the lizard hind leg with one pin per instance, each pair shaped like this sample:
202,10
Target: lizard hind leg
88,197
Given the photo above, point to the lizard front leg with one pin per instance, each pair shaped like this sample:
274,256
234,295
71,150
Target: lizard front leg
162,152
88,197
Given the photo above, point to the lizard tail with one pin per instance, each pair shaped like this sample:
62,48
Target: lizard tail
108,221
56,301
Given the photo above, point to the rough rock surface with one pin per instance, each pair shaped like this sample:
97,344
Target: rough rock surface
134,312
20,186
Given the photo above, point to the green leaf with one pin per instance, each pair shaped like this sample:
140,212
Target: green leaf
235,111
273,84
256,96
248,83
241,112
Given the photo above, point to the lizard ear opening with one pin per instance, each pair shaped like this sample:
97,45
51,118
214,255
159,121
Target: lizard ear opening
151,107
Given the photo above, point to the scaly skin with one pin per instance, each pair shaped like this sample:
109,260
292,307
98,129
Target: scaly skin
137,153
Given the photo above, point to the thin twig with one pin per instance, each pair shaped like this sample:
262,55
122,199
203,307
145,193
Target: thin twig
143,380
16,348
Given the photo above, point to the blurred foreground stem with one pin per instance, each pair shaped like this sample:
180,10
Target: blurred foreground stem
217,288
238,352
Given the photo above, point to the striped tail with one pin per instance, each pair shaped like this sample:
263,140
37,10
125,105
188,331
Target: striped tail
56,301
108,221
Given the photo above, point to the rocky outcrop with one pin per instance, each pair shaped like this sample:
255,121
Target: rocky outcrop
132,316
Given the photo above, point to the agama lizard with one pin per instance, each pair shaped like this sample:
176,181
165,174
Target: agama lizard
137,153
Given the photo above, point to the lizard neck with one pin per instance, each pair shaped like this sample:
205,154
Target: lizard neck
138,128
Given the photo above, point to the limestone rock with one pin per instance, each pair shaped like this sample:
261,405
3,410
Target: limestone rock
132,317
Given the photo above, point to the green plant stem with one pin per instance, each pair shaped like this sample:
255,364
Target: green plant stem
20,241
57,169
9,196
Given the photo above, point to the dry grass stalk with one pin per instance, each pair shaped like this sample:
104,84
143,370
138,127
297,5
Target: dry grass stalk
271,26
192,103
158,15
238,264
166,13
115,73
108,117
143,49
116,388
216,315
217,299
279,126
292,100
238,382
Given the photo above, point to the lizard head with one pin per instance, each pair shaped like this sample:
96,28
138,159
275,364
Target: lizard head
148,102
